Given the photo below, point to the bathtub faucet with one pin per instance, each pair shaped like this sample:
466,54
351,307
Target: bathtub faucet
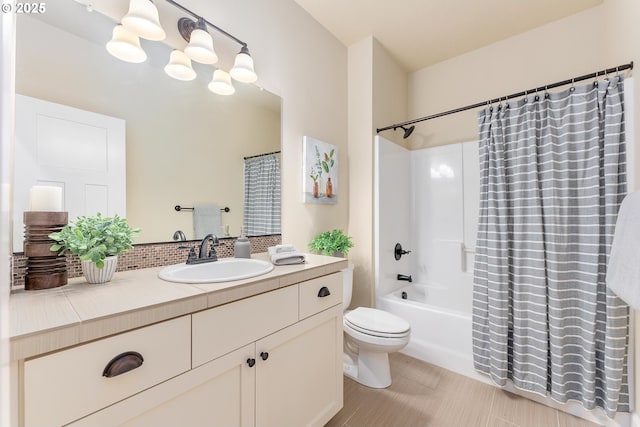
405,277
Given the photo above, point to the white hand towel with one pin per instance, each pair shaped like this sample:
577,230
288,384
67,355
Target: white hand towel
623,271
287,258
280,249
206,220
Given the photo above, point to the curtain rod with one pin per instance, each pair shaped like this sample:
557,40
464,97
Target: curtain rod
262,155
619,68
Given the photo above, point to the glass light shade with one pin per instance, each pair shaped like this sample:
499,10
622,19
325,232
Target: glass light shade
143,20
179,66
242,69
200,47
221,83
125,45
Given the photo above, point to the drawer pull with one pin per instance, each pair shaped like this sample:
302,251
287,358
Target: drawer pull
323,292
122,363
251,362
264,355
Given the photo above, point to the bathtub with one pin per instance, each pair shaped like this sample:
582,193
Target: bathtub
440,318
440,321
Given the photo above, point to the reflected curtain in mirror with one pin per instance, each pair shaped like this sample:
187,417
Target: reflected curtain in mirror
262,195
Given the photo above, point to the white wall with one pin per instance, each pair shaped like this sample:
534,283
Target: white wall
299,60
377,94
393,191
6,135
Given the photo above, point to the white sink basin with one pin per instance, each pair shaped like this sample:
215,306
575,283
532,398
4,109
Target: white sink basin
223,270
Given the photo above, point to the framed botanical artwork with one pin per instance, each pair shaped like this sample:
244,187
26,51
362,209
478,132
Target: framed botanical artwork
320,172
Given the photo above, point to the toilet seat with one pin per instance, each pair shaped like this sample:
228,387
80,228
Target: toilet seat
377,323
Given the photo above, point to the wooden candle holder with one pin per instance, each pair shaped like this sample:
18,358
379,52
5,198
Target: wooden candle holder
45,269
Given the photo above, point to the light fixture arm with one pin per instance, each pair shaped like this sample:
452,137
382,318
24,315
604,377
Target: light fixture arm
215,27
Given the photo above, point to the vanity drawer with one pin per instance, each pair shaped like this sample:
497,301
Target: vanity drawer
222,329
319,294
75,385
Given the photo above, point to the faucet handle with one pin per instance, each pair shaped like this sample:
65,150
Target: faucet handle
192,253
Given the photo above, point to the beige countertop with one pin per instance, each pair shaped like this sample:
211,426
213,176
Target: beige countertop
49,320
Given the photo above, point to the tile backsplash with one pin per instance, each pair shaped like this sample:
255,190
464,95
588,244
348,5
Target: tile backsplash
147,255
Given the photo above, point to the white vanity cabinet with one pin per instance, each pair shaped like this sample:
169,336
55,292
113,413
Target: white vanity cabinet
297,363
273,359
218,393
69,384
300,382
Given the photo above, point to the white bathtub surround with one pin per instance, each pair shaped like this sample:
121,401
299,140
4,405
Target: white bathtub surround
439,227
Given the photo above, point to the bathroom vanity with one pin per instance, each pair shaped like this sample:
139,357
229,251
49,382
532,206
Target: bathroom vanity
140,351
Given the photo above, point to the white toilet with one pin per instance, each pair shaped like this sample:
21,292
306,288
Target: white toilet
369,336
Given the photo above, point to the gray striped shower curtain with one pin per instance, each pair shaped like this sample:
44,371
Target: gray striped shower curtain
261,195
553,175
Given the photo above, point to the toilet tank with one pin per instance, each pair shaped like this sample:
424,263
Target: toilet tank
347,285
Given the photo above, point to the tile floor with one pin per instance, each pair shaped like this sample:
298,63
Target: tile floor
424,395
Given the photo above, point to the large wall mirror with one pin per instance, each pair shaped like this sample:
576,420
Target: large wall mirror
184,144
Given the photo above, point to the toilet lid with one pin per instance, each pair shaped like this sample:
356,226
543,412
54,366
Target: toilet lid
376,322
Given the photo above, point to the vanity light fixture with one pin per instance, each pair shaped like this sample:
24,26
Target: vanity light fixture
179,66
242,70
221,83
200,47
143,20
125,45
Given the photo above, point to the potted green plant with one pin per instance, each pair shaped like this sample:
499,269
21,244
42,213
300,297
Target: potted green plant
333,242
98,241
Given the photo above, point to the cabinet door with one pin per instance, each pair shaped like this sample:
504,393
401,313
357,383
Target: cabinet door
300,382
218,393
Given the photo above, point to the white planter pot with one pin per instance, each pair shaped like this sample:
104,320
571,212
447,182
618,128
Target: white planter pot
93,274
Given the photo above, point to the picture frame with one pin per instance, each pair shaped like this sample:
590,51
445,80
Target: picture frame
320,172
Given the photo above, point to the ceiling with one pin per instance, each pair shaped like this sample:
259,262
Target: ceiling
420,33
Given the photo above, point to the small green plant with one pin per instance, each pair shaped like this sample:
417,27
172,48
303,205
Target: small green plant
330,242
93,238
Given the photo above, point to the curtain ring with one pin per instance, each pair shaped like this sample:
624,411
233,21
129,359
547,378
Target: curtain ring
572,88
526,99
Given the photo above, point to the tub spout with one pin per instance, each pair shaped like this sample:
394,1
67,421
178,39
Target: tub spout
405,278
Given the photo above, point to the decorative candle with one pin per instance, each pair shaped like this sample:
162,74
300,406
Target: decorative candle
44,198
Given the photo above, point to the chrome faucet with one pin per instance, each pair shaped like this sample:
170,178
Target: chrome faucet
179,235
212,255
203,256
